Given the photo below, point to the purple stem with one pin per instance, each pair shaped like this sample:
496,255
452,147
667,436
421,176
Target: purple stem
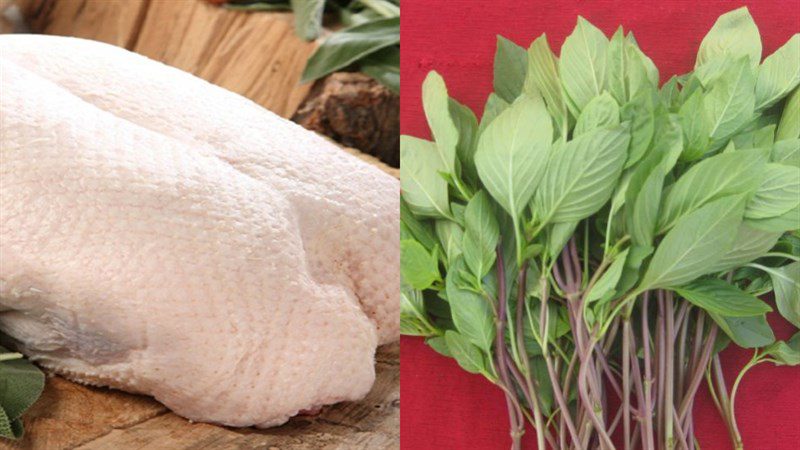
647,411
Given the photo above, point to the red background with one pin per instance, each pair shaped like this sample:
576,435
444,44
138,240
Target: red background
444,407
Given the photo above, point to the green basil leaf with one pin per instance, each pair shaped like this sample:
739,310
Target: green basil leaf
785,353
786,282
418,268
583,64
730,103
543,78
493,107
510,68
750,244
715,177
581,177
779,74
350,45
559,236
472,314
747,332
696,127
439,345
789,126
413,320
481,236
468,356
512,153
698,241
421,231
601,112
644,199
424,189
734,34
467,125
436,104
789,221
450,236
608,281
778,194
722,298
786,152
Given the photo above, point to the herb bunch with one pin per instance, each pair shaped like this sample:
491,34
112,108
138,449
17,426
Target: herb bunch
595,240
370,39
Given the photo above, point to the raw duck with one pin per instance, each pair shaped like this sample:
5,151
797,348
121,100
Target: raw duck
164,236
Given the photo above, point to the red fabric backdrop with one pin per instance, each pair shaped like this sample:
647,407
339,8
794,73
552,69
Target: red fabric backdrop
444,407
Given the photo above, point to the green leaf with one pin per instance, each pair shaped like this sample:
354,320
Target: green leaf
734,34
778,194
730,103
583,64
413,319
436,104
543,75
467,355
439,345
510,68
789,221
418,230
21,384
644,198
467,125
789,126
722,298
348,46
786,152
450,236
481,236
696,127
582,175
639,112
670,95
418,268
512,153
720,175
472,314
779,74
608,281
698,241
384,67
559,236
747,332
601,112
786,282
785,353
750,244
308,17
493,107
424,189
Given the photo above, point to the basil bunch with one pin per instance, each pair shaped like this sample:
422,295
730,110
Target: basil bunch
370,39
594,236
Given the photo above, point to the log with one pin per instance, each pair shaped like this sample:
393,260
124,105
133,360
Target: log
357,111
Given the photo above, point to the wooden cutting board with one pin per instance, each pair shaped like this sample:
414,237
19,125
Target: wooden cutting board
258,56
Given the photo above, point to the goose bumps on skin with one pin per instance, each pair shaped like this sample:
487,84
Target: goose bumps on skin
162,235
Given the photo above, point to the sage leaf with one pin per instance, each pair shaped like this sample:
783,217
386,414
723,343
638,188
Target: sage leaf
778,193
21,384
786,282
747,332
350,45
467,355
698,241
418,268
510,69
543,75
512,154
472,314
734,34
436,104
583,64
601,112
778,74
715,177
581,177
424,189
722,298
481,236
